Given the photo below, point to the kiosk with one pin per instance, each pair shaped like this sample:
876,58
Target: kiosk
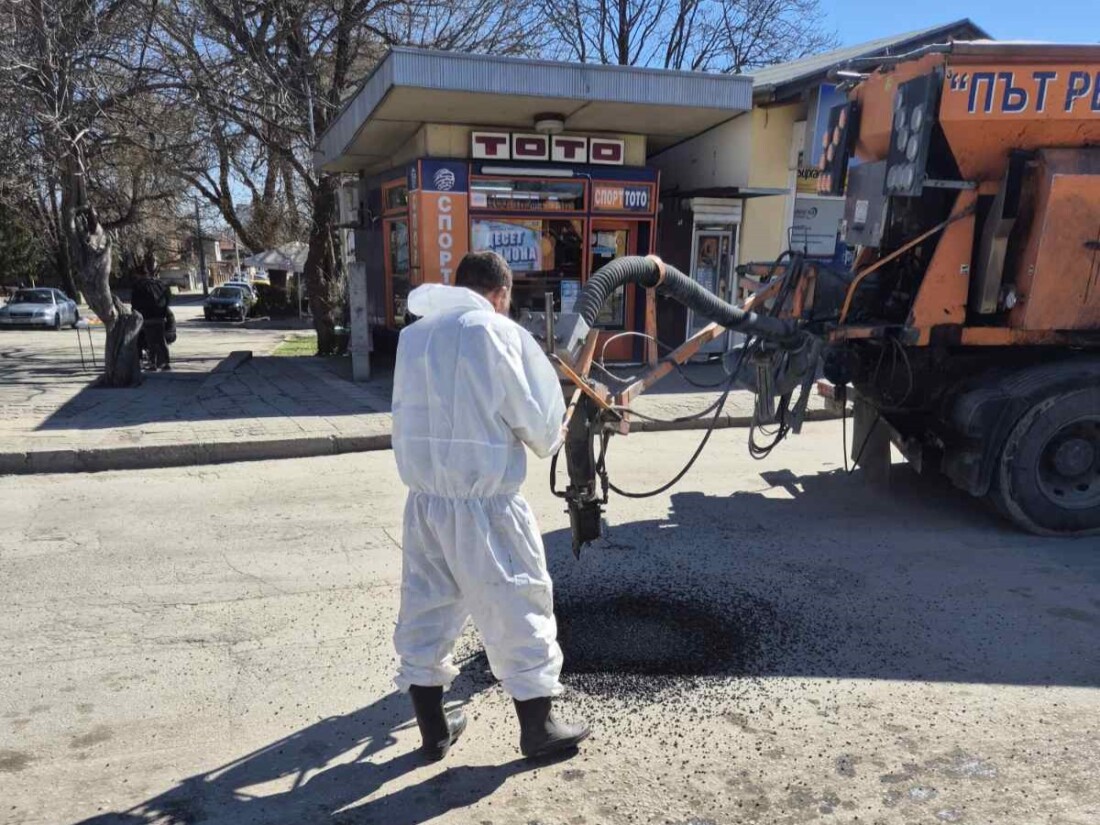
542,162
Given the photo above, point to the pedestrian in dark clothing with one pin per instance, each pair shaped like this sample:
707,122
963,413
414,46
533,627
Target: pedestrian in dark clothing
150,297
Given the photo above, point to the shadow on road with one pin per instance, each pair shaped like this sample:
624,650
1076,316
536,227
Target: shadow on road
824,576
261,388
318,791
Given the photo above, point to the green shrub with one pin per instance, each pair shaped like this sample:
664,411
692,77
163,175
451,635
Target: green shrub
274,302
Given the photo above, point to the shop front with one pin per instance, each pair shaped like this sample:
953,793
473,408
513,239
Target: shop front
543,163
555,225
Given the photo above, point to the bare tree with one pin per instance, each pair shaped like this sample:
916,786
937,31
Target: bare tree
267,77
74,76
730,36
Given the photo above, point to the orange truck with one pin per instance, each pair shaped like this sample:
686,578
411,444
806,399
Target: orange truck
969,325
966,331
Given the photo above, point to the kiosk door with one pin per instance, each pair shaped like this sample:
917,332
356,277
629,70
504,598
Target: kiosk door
610,239
712,268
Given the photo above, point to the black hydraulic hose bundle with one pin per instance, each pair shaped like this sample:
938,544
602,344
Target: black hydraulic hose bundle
646,272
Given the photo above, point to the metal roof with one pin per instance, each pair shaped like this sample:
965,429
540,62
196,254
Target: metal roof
291,257
775,82
410,87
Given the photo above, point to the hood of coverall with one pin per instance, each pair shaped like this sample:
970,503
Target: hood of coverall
433,299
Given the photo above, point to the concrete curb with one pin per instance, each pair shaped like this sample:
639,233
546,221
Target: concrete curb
102,459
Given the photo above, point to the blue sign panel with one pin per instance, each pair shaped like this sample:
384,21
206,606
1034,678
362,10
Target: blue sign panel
444,175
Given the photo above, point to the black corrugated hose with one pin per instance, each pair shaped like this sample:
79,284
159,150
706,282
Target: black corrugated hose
645,272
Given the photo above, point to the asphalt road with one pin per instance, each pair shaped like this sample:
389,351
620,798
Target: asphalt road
772,642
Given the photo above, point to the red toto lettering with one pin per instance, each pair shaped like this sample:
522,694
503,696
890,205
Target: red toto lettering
559,148
570,148
530,146
494,146
606,151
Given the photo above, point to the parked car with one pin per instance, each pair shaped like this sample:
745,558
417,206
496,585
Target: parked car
230,302
40,307
250,291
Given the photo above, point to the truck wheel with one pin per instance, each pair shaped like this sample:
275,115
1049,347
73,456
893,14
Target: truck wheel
1048,477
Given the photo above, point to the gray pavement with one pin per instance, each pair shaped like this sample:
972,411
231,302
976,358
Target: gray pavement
211,408
208,408
771,642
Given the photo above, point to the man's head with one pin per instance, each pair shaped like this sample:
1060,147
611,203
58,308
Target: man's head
487,274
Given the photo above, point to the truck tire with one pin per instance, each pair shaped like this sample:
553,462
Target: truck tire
1048,477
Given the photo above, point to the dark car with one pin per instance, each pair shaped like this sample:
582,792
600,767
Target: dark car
229,303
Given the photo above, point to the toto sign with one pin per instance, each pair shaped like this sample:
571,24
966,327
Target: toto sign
556,148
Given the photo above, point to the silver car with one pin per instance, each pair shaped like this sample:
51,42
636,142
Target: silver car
39,307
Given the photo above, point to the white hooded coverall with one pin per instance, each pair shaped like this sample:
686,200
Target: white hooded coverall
471,388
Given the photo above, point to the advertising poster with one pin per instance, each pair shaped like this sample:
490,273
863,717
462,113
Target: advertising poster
518,242
443,212
828,96
816,224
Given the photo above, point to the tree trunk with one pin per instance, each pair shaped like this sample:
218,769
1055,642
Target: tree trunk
63,256
91,252
323,274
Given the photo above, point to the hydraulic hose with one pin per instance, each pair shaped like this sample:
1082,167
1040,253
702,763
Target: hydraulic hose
646,272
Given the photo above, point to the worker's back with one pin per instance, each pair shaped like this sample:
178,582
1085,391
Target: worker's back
450,436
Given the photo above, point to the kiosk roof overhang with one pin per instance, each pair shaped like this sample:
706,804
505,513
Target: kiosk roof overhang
411,87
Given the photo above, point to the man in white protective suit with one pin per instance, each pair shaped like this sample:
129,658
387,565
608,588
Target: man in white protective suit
471,389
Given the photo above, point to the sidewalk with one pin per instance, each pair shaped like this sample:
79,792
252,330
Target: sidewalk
251,408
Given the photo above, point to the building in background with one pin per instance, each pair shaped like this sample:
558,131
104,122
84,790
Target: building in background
747,190
543,162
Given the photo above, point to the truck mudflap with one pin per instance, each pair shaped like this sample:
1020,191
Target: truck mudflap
980,416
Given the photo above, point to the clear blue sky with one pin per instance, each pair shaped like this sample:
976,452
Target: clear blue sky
1063,21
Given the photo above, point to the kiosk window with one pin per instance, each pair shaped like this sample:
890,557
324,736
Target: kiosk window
503,195
607,245
395,196
540,251
397,236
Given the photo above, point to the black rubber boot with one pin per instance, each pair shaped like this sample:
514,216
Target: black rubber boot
540,734
438,728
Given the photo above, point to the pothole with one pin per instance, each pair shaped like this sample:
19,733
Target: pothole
645,645
631,643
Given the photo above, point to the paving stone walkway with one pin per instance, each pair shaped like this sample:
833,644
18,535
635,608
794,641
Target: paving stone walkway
248,408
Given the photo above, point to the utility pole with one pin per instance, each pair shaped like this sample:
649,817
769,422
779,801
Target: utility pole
202,252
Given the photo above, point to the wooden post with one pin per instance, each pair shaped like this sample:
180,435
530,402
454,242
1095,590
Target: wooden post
651,354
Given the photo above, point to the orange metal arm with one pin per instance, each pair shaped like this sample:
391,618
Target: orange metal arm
687,349
578,373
